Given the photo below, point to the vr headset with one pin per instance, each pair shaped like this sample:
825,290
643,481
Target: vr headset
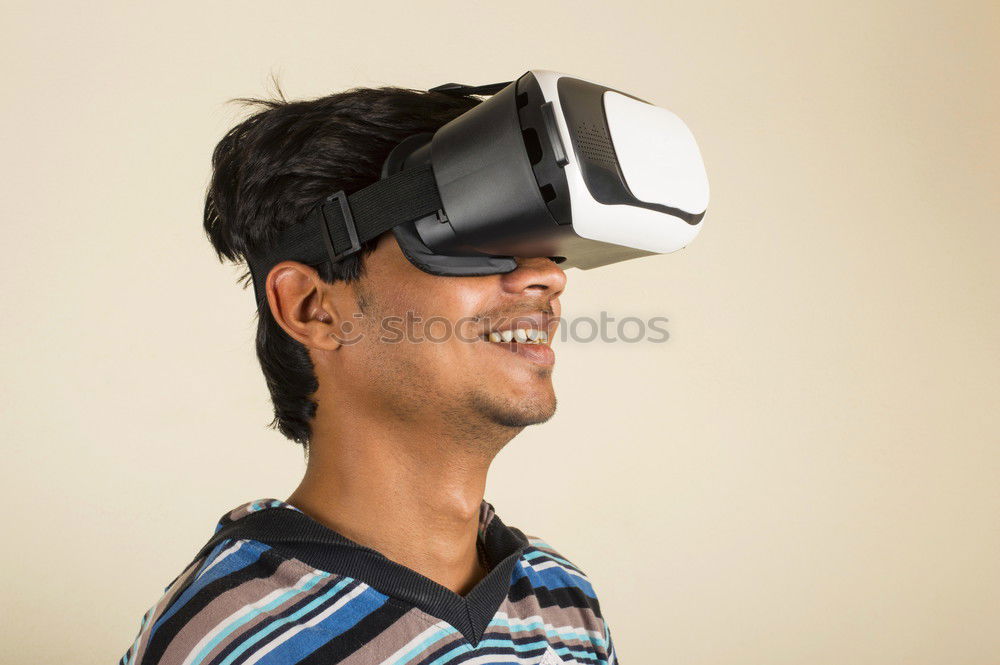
550,165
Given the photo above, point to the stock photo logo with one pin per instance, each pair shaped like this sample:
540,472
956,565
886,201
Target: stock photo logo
412,328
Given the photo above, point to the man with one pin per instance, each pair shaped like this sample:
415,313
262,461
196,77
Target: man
402,386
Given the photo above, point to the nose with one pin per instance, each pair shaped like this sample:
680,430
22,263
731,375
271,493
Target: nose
535,276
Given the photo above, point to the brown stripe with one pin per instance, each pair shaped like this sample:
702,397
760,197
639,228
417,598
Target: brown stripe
222,607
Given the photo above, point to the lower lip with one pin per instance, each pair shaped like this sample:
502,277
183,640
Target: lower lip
540,354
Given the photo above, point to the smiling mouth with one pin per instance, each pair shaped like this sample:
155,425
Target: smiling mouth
518,335
529,343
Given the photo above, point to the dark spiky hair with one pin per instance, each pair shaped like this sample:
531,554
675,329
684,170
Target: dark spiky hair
268,171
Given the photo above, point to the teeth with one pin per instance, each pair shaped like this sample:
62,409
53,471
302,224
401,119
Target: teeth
521,336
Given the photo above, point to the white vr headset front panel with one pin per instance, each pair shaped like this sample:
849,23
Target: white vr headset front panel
657,154
661,164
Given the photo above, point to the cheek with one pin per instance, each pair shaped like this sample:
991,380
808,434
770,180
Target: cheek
432,317
420,349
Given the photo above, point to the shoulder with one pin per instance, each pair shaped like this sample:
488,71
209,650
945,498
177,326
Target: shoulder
207,595
557,581
243,599
549,568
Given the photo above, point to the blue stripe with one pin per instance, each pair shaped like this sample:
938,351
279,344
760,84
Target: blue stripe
524,627
535,554
553,578
309,640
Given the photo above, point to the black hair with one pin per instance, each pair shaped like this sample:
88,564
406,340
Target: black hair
269,170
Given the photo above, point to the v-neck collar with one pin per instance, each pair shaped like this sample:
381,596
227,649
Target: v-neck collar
293,534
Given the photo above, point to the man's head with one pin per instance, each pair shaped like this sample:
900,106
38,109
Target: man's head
373,331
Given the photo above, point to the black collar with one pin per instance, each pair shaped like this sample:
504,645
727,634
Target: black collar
293,534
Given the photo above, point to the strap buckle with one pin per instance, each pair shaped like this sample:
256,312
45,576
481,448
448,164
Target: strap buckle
352,230
464,89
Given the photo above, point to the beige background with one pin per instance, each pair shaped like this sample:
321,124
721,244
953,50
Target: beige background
807,472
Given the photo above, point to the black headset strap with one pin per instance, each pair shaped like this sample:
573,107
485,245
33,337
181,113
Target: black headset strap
338,225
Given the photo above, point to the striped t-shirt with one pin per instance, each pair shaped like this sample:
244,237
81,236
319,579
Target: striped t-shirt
273,586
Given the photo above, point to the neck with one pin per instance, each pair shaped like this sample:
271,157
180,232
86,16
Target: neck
412,493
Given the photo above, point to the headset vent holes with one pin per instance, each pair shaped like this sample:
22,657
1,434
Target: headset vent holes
596,146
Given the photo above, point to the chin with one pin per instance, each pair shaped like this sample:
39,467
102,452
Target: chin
519,411
521,419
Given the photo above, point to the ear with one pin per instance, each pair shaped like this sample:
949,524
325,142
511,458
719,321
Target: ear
307,308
